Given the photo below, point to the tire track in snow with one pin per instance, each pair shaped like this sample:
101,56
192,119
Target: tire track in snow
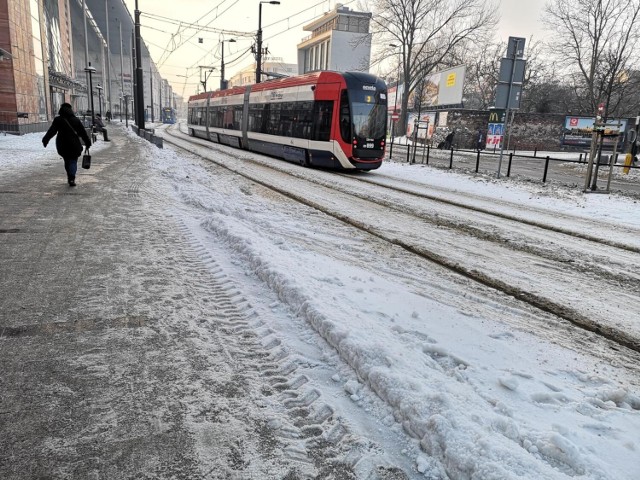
314,437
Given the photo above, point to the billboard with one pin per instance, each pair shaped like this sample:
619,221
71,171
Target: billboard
577,131
426,127
394,97
442,88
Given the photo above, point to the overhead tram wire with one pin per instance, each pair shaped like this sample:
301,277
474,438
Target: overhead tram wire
197,26
160,63
162,58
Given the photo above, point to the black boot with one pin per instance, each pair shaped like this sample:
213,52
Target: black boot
72,181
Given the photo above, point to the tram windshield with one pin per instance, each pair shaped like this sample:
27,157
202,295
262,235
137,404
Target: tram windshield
369,114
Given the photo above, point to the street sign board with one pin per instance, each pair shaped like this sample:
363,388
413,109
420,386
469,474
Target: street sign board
506,65
515,47
501,96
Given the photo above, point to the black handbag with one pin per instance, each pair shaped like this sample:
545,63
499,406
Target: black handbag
86,159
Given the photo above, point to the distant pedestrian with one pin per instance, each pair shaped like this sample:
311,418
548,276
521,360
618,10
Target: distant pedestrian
480,140
108,116
69,130
448,141
98,125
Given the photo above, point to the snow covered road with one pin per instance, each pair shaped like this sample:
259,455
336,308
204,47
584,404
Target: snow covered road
403,367
436,347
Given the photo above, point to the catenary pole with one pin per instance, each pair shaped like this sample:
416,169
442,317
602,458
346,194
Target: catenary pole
139,74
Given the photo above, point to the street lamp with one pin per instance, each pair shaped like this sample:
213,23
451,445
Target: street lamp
206,76
223,83
91,70
99,88
393,125
126,110
259,41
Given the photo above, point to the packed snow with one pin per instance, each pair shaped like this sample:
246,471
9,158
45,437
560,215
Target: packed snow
414,351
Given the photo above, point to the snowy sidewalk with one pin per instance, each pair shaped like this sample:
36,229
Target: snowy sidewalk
113,344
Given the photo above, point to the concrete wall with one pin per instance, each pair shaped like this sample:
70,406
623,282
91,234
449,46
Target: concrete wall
530,131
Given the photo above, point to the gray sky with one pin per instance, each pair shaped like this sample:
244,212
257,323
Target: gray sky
282,31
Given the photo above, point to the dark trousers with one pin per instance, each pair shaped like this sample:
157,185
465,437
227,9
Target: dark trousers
71,167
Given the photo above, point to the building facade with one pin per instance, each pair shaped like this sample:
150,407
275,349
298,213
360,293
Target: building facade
340,41
272,67
36,75
45,49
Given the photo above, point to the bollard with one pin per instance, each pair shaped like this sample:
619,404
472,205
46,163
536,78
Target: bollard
580,159
478,161
546,168
451,159
535,152
428,150
509,167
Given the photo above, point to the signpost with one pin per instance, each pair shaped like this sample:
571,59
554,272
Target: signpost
510,83
394,117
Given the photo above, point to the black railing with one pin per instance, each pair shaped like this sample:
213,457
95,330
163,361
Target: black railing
463,159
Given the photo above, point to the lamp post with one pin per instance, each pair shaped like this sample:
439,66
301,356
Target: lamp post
139,76
126,110
99,88
206,75
259,40
223,83
393,125
91,70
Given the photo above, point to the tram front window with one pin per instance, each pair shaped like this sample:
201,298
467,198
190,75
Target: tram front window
369,115
369,120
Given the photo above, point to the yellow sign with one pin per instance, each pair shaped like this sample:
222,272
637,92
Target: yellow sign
628,161
451,80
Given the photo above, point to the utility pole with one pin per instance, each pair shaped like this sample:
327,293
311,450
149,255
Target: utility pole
134,82
86,53
151,89
206,76
121,68
108,92
139,76
259,40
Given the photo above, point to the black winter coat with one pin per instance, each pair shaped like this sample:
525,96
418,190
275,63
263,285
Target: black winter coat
69,130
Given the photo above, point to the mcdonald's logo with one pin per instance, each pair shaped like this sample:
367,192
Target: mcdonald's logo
496,116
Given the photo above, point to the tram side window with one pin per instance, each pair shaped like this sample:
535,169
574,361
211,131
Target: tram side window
237,116
255,117
322,115
345,117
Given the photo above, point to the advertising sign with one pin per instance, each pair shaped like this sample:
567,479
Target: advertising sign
578,131
495,129
394,99
426,126
442,88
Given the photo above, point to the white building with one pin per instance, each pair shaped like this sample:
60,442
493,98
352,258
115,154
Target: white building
340,41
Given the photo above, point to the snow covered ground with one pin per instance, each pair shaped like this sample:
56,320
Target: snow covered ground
480,385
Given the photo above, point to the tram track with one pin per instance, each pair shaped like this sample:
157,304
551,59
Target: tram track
528,296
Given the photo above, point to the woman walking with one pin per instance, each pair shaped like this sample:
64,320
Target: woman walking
69,130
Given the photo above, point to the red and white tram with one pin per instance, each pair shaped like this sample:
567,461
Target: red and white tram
323,119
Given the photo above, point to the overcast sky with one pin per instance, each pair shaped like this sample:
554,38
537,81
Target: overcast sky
282,31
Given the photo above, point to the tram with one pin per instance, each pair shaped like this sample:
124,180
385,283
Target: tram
168,115
322,119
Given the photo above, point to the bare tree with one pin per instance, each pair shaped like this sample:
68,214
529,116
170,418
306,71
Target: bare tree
425,34
596,39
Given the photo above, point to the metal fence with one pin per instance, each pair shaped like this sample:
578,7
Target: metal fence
534,166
